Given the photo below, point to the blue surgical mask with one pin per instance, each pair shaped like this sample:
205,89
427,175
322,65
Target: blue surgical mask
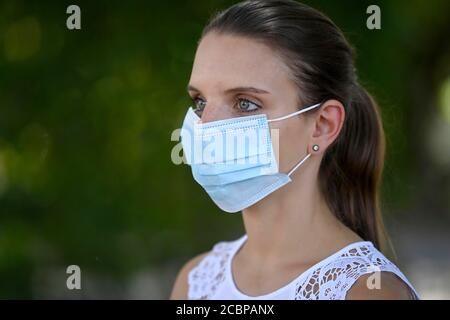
234,159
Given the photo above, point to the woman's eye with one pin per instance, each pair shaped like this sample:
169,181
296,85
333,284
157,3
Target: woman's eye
199,104
247,106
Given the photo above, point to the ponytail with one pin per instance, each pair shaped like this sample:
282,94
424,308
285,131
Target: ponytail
351,169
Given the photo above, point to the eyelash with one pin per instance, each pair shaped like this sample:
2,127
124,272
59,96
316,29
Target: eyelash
195,99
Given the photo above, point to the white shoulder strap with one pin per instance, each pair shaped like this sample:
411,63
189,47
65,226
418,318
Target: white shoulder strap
332,280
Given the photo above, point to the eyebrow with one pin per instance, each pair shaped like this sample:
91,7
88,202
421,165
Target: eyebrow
246,89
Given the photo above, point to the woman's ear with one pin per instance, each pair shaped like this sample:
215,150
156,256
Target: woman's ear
328,124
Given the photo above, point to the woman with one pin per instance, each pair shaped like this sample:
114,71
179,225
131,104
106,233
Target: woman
311,216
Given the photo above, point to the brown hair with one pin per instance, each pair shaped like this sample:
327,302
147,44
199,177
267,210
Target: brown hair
322,63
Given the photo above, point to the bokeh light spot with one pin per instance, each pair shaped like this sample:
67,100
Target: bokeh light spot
22,39
444,99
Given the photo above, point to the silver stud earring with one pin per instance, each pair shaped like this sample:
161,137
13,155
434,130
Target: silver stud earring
315,147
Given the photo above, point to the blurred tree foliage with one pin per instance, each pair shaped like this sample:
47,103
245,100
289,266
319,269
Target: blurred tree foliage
86,117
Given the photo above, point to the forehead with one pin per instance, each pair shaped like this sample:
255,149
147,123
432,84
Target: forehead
228,59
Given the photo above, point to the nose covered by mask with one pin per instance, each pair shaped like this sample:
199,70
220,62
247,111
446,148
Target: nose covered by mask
234,159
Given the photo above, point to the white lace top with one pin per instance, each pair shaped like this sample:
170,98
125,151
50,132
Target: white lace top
330,279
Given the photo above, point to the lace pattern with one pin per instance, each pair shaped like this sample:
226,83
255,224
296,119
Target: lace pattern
332,280
327,280
206,277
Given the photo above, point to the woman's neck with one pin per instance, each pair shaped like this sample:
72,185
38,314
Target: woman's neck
294,223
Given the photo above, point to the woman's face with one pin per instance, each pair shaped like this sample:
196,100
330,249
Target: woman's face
234,76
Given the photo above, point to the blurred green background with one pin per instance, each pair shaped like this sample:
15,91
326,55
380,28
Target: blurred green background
86,118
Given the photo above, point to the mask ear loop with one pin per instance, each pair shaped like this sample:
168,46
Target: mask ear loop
292,115
295,113
299,164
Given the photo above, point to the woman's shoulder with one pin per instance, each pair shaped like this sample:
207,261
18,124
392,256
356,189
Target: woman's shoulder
201,266
378,277
391,288
180,288
359,271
